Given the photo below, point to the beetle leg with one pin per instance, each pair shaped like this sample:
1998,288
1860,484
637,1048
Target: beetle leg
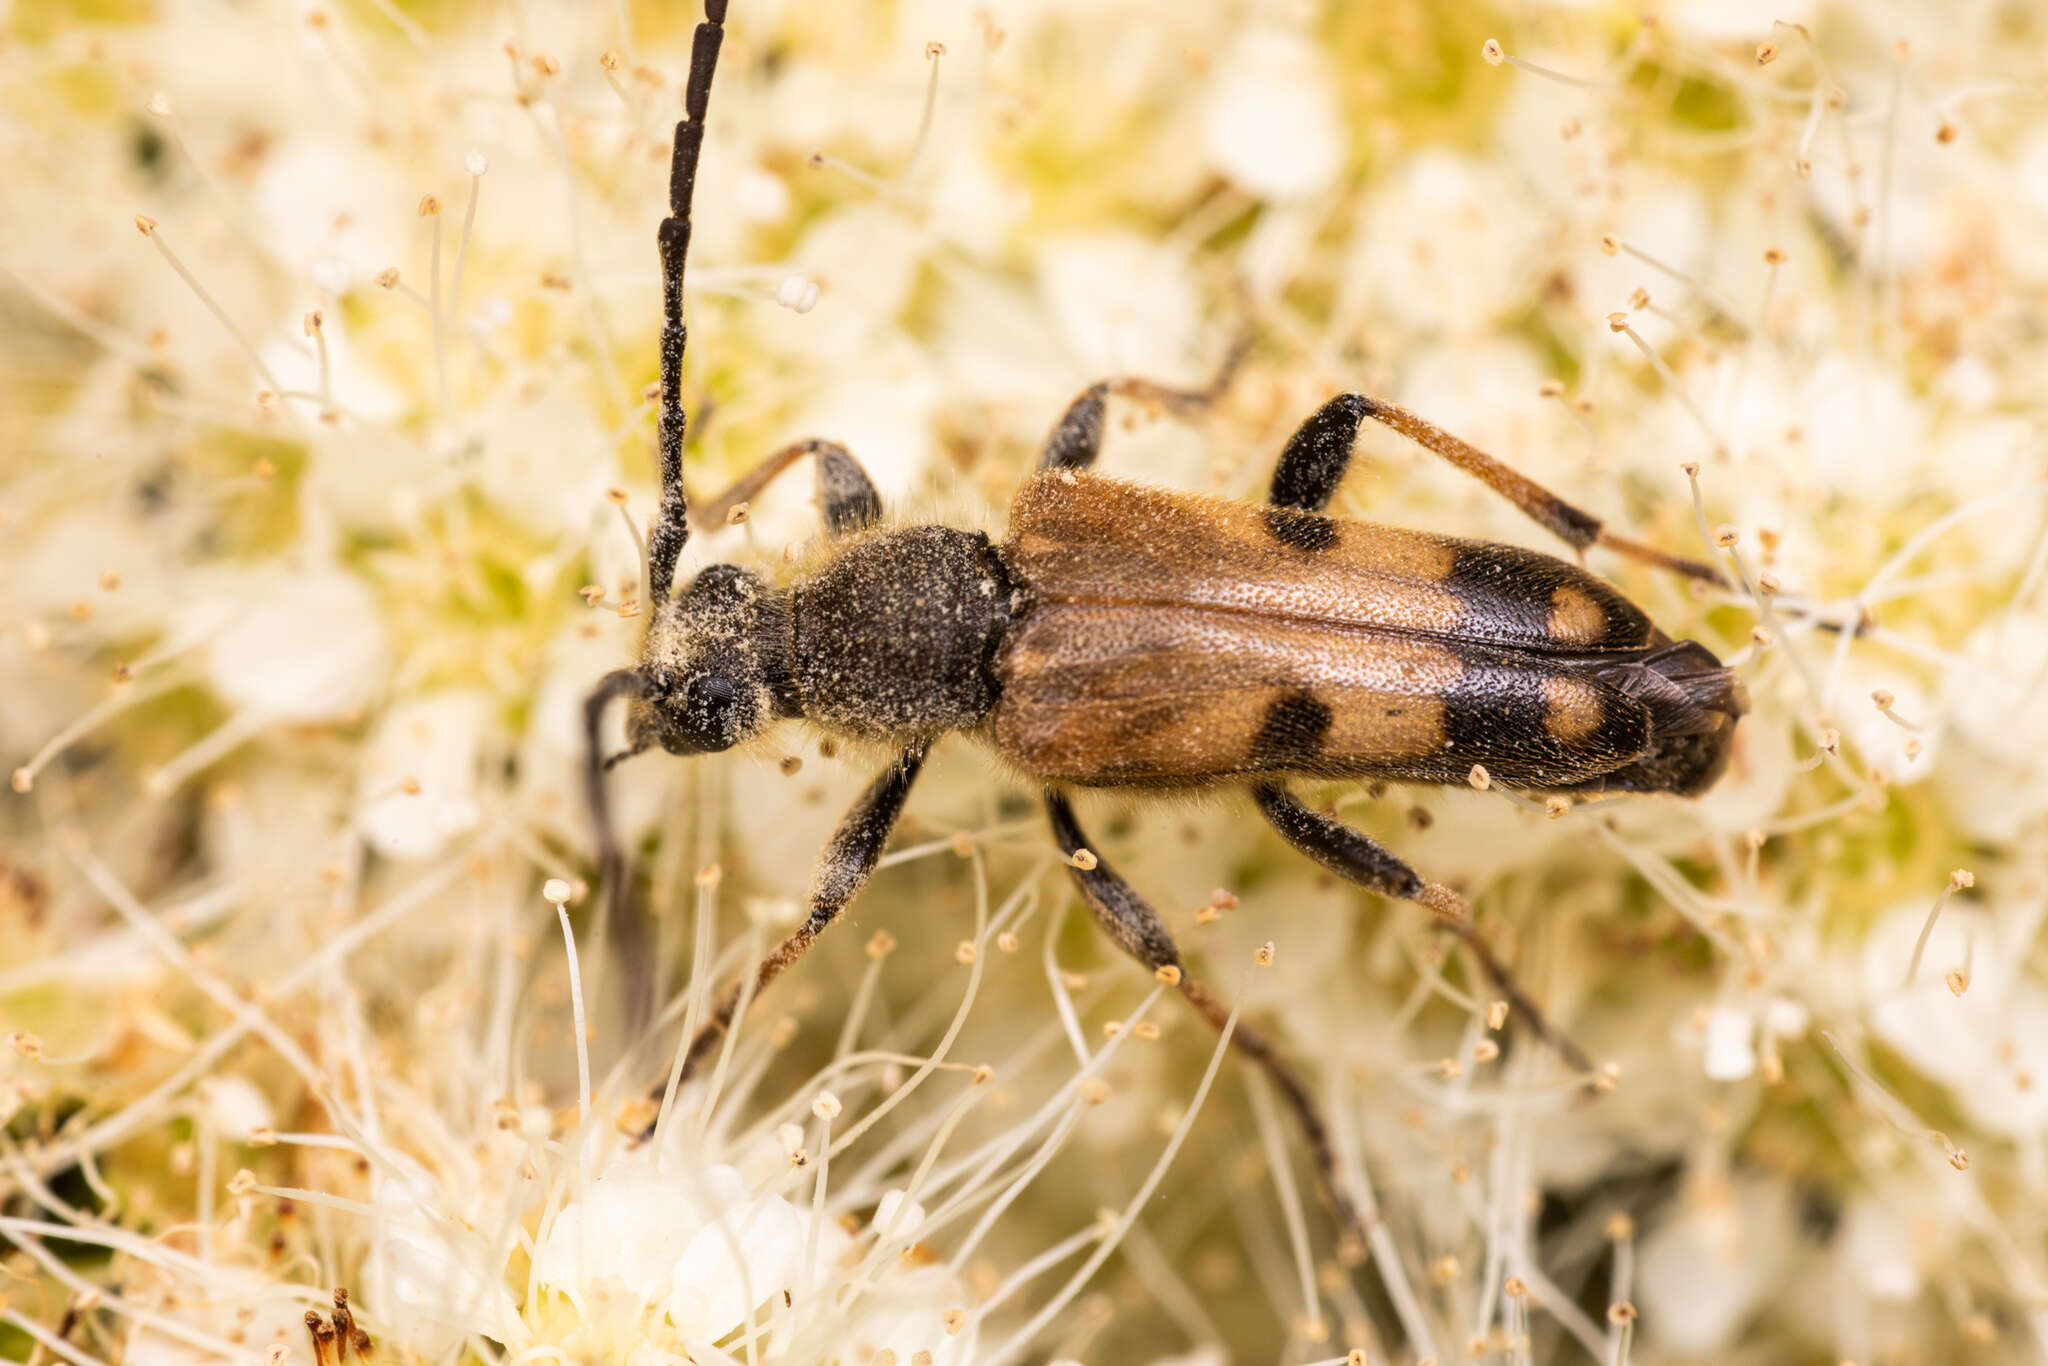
1076,439
1357,859
846,496
842,871
1316,456
1137,929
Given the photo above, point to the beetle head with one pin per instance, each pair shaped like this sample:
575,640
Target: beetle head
710,671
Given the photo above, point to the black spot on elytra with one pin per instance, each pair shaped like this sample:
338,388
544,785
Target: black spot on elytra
1301,530
1495,709
1497,713
1292,735
1506,593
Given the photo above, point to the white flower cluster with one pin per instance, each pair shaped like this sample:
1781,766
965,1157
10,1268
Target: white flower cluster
326,482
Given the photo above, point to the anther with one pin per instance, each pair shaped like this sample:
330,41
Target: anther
797,294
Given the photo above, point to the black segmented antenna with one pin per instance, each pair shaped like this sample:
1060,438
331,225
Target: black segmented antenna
671,527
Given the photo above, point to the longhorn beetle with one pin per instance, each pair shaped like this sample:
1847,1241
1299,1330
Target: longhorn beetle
1129,637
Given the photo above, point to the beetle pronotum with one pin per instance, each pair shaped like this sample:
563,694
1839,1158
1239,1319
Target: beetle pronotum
1130,637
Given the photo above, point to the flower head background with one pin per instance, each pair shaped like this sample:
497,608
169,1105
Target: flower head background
326,447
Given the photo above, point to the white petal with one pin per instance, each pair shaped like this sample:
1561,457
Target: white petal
430,744
1703,1272
311,648
623,1237
1730,1053
1876,1247
1946,1038
235,1106
1270,121
712,1289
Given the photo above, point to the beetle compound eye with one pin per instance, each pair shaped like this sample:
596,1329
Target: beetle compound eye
712,696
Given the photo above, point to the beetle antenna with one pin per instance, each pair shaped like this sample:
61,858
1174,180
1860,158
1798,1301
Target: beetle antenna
611,859
671,525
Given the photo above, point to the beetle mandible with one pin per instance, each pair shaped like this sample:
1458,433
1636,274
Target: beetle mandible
1131,637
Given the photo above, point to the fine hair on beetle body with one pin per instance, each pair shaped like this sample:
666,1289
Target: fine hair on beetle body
1131,638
